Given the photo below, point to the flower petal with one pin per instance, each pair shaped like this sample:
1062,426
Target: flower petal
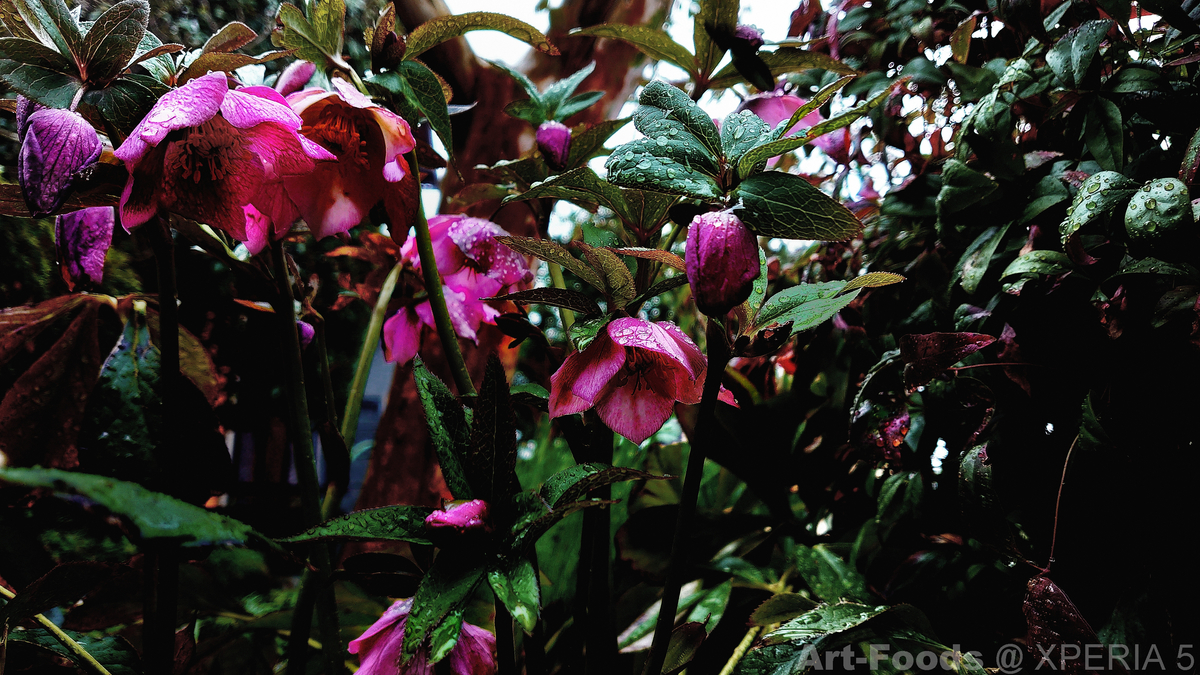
82,239
279,149
244,108
475,653
581,379
190,105
634,411
391,616
631,332
398,141
57,144
295,76
402,336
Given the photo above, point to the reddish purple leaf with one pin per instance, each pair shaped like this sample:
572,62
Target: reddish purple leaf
926,356
1058,633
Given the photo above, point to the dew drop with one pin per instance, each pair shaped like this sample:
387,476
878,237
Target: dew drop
670,173
644,164
1151,204
661,140
739,132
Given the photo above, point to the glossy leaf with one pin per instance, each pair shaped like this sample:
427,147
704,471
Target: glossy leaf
780,608
978,257
386,523
1101,194
685,643
555,297
444,591
113,40
515,583
828,576
443,638
872,280
557,94
551,251
962,187
717,15
154,515
125,102
318,41
927,356
818,99
1103,133
658,255
589,142
442,28
52,24
448,428
581,186
1072,55
984,512
493,445
112,651
574,483
652,42
740,132
784,205
416,82
782,61
805,306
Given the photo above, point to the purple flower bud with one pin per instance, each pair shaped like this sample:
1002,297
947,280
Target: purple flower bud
722,261
82,239
554,140
56,146
307,332
463,517
25,108
750,35
294,77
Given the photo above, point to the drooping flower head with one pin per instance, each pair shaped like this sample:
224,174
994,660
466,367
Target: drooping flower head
55,146
473,265
370,143
205,152
632,373
379,648
722,261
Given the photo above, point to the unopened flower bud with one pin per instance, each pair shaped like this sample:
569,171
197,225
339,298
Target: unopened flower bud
722,261
463,517
554,140
750,36
82,239
294,77
307,333
57,144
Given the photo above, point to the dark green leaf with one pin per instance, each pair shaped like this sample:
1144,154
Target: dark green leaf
662,286
637,636
1100,194
778,204
1035,263
557,93
530,530
1071,56
113,40
515,583
155,515
112,651
711,607
652,42
417,83
35,53
984,513
319,41
578,103
590,142
806,305
1103,133
53,25
828,576
14,22
978,257
524,109
740,132
214,61
972,83
618,282
783,61
444,591
125,102
899,497
442,28
686,640
780,608
387,523
153,55
962,187
678,166
1092,435
719,15
581,186
813,103
574,483
493,455
535,97
443,638
663,107
1157,267
1132,79
555,297
447,428
583,332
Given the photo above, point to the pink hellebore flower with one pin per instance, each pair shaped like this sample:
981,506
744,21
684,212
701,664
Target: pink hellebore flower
776,107
632,373
473,265
369,143
205,152
379,648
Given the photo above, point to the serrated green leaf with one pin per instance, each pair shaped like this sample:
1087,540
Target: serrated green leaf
231,36
784,205
36,54
653,42
328,19
1036,263
535,96
589,142
493,446
14,22
442,28
309,41
806,305
663,107
125,102
872,280
1071,56
759,292
554,252
112,651
443,638
155,515
557,93
828,576
52,24
415,81
618,282
678,166
387,523
583,332
515,583
113,40
447,428
1103,133
152,54
444,590
782,61
581,186
780,608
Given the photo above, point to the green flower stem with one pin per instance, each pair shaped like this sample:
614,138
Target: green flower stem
718,356
740,651
313,589
358,385
437,299
334,490
161,581
78,653
556,278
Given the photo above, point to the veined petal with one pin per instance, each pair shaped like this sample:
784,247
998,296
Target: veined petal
295,76
333,197
391,616
398,141
82,239
634,411
576,385
631,332
279,149
190,105
258,229
244,109
350,94
57,144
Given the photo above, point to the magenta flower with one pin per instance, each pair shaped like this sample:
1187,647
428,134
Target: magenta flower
369,143
205,152
632,373
776,107
294,77
470,516
473,265
82,239
55,146
722,261
379,648
750,36
554,140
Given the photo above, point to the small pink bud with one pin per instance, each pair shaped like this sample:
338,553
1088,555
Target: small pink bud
751,36
554,140
463,517
307,333
722,261
294,77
